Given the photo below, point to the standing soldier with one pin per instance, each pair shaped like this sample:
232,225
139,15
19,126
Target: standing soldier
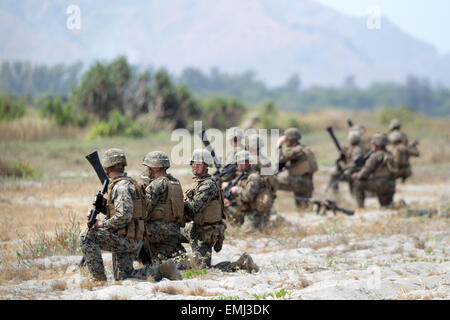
204,206
377,174
395,126
301,169
165,210
402,153
251,196
121,232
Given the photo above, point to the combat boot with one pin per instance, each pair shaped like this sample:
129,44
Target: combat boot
246,262
168,269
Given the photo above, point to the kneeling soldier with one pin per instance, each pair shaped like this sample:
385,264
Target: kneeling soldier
165,210
377,175
122,231
204,206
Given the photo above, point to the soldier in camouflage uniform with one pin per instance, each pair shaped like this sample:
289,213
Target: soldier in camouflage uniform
250,195
352,152
402,153
235,136
301,169
254,146
395,126
165,210
365,141
204,206
122,230
377,174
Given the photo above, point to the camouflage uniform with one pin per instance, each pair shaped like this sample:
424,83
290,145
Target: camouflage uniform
402,153
116,233
300,178
352,152
232,134
204,206
164,237
394,127
377,175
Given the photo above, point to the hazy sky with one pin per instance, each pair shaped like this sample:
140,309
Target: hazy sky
428,20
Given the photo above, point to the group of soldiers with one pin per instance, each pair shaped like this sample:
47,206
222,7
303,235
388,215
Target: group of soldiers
149,221
382,160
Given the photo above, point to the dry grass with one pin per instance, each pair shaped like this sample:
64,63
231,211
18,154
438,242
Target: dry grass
34,128
18,273
172,290
168,289
89,284
59,285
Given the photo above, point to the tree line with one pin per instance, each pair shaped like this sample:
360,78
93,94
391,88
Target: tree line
118,85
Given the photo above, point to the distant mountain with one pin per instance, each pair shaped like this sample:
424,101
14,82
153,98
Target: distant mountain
274,38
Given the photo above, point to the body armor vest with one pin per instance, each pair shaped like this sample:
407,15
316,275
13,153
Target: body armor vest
135,228
213,213
171,209
307,166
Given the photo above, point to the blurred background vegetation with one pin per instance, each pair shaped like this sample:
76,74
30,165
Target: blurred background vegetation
65,108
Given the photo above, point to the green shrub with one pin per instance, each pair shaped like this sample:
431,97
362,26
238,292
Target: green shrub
63,113
117,125
11,109
17,169
221,112
385,115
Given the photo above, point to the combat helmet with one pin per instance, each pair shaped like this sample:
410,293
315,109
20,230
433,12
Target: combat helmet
395,137
395,124
156,159
114,156
354,137
242,156
255,141
235,132
379,139
202,155
292,134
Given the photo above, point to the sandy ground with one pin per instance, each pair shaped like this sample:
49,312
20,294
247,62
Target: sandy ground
374,254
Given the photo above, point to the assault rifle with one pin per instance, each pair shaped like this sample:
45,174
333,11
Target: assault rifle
326,205
98,205
231,184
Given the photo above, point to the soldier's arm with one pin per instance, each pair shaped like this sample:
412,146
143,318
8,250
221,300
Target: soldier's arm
292,154
205,194
155,191
413,151
370,166
251,190
122,197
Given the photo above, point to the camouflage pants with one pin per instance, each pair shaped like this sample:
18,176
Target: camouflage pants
404,173
124,252
201,255
234,215
302,186
255,221
163,240
384,188
338,176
